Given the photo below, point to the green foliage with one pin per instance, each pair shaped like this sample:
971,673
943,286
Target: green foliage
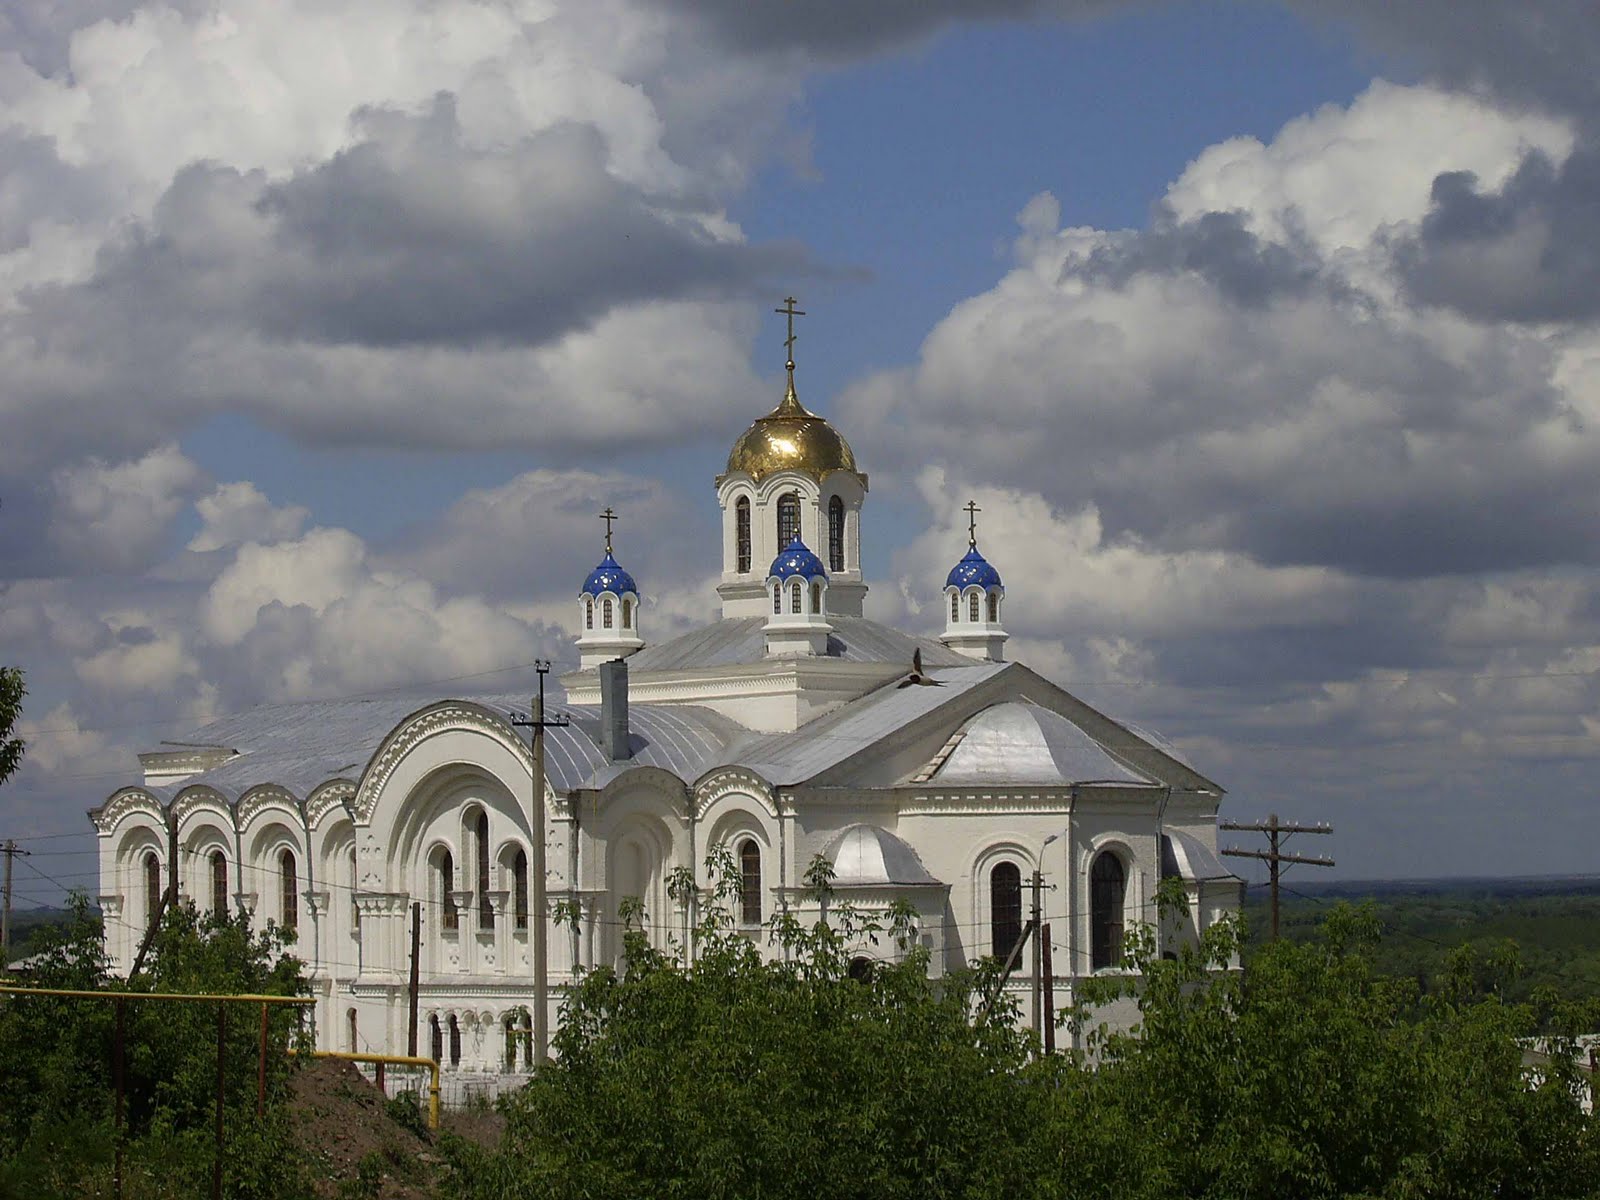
405,1110
1311,1074
12,690
58,1085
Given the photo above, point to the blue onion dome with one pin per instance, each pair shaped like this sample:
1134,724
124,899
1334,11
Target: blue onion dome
797,560
609,577
974,569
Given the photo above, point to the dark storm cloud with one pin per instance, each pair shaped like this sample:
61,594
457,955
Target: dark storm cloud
1528,252
1245,269
412,237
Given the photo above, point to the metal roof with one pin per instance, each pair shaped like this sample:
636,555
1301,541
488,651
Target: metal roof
1187,857
743,640
866,856
1021,742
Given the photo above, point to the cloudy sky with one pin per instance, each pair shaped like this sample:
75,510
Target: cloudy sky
1266,336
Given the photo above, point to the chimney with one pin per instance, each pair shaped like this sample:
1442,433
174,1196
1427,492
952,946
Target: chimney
614,710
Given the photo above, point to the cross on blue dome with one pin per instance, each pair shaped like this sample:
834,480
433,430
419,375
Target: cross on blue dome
609,577
973,570
796,560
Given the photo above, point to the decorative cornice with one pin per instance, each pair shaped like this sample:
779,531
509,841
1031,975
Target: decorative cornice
329,797
262,797
726,781
200,797
123,803
451,716
380,904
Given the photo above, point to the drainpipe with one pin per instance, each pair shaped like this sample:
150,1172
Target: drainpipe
1072,899
316,917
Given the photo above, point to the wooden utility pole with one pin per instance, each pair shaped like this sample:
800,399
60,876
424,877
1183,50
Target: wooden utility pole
10,850
1276,831
1049,991
411,989
539,926
1038,963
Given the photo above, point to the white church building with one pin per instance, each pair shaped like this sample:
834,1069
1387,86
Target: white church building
927,769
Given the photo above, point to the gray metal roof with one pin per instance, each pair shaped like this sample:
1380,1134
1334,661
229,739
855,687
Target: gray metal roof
790,758
866,856
1187,857
1021,742
743,640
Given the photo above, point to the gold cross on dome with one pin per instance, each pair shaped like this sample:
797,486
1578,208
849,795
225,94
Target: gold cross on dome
790,311
972,511
608,516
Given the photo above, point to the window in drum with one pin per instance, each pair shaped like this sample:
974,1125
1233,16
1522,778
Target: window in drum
741,532
588,614
835,534
627,614
777,598
1005,908
816,596
606,614
794,596
788,518
955,606
972,606
750,882
994,608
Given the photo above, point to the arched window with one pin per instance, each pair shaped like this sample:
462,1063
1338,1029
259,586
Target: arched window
860,969
447,888
289,891
994,608
972,606
519,888
627,614
788,518
835,534
816,596
508,1024
355,879
480,835
777,598
152,888
749,882
527,1040
606,614
455,1041
955,606
588,614
435,1039
1107,887
219,884
1005,907
741,532
794,596
350,1033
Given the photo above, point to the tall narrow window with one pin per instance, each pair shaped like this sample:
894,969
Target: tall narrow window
289,895
435,1038
455,1041
972,606
794,596
588,614
741,532
816,596
788,518
606,615
519,888
994,608
447,888
1005,907
481,837
152,888
955,606
219,884
1107,888
508,1024
627,614
527,1041
835,534
777,598
355,909
750,882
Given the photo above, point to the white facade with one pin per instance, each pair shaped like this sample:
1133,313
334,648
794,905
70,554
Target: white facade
782,735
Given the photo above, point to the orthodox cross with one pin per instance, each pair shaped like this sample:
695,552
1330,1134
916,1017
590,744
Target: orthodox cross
790,311
972,511
608,516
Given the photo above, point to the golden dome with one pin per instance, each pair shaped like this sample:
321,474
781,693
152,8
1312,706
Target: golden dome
790,438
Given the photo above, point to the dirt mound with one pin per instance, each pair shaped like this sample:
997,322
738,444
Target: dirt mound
354,1143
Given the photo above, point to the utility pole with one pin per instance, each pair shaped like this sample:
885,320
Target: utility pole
1276,832
10,850
539,924
416,945
1049,991
1038,963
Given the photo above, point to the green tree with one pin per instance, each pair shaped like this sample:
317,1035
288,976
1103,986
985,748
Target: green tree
12,690
728,1076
